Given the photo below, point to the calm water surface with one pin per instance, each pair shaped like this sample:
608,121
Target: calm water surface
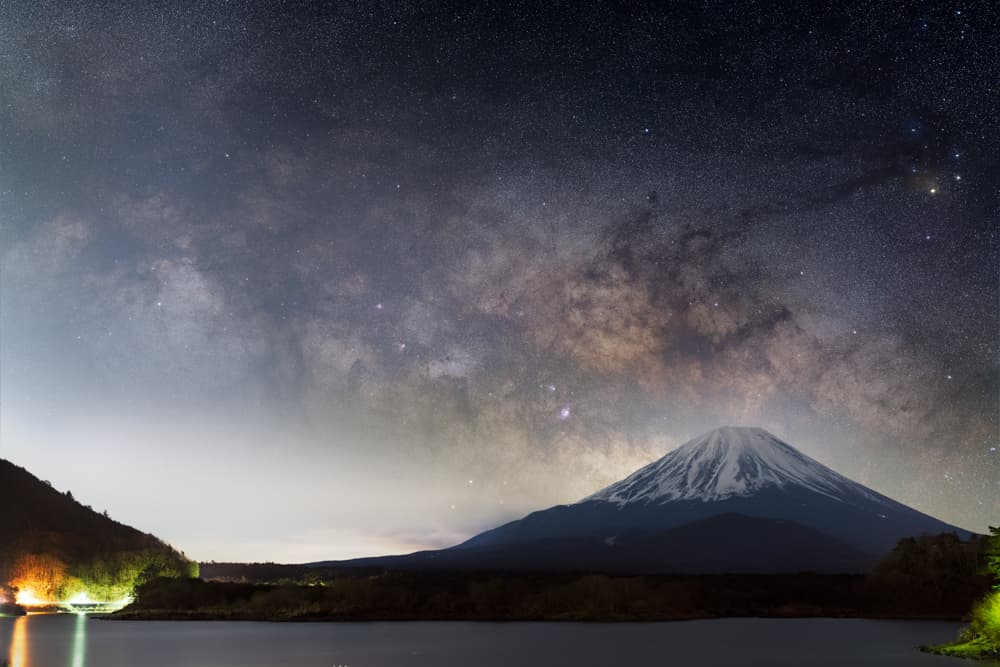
79,641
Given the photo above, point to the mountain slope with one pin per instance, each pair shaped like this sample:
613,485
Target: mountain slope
724,543
732,500
729,470
52,547
760,545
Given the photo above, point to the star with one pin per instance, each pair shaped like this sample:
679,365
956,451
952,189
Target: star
489,296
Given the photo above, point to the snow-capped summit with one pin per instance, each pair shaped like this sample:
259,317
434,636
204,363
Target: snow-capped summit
726,462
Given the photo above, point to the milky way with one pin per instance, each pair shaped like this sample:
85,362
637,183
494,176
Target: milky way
285,283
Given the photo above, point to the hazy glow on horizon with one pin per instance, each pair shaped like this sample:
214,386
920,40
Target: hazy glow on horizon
291,299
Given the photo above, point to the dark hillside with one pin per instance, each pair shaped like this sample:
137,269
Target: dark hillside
53,548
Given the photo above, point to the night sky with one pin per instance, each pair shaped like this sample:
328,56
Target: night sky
281,283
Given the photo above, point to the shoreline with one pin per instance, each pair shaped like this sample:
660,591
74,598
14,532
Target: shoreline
491,597
12,610
174,615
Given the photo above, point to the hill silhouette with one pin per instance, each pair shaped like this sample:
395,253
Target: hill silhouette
54,549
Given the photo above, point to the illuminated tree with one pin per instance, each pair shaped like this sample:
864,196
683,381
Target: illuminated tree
38,578
986,615
982,638
992,553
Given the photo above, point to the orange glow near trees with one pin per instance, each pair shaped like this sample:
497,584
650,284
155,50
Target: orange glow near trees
26,598
108,580
38,579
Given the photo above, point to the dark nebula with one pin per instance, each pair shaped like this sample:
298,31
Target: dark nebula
288,283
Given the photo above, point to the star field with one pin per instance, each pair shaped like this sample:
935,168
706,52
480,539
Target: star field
370,278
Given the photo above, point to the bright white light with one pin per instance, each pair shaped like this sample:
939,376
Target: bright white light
81,598
27,598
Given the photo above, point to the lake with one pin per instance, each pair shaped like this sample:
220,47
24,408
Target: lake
64,640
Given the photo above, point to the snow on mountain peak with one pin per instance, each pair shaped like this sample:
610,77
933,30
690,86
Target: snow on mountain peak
726,462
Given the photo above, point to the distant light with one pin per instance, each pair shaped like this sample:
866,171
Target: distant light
27,598
81,598
933,191
564,413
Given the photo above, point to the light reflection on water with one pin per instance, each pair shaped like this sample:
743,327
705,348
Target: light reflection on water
19,643
80,641
35,645
76,640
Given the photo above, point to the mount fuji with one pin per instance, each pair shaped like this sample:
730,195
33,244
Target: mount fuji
735,499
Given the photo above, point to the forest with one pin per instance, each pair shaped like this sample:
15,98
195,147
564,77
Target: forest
927,577
55,551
